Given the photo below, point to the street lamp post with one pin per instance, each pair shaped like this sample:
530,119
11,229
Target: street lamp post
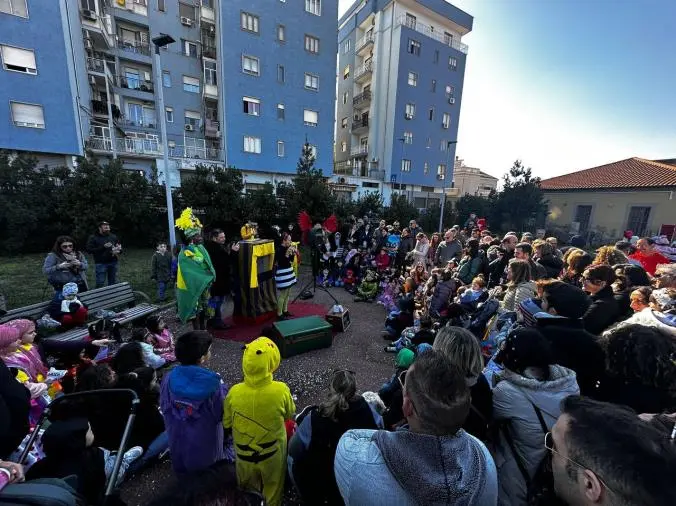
443,201
160,41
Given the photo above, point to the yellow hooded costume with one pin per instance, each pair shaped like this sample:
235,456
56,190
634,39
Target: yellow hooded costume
255,410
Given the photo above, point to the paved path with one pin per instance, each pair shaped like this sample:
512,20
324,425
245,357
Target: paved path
360,349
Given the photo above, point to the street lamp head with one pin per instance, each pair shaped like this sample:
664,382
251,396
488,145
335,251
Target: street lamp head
163,39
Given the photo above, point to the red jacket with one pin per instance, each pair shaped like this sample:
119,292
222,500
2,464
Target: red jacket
382,261
650,262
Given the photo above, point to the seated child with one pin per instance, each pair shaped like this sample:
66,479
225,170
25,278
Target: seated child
68,449
256,411
414,336
470,298
67,308
150,357
10,341
399,320
160,337
443,291
382,260
191,400
101,341
368,288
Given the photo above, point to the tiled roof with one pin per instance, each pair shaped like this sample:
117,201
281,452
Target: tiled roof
629,173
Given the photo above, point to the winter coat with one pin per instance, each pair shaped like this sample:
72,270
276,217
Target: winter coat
14,409
58,277
496,269
446,251
220,259
574,348
623,300
649,318
420,252
405,246
160,267
517,294
442,293
552,265
537,271
513,399
96,247
470,267
603,312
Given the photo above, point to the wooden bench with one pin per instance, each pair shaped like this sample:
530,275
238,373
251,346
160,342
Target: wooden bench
119,297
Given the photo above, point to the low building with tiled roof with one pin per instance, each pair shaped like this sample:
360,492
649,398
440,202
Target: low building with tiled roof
633,194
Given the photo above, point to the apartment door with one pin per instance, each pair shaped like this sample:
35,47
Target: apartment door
638,219
583,217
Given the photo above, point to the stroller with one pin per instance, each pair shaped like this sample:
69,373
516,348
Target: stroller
58,492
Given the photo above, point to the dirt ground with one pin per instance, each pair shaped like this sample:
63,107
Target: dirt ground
359,349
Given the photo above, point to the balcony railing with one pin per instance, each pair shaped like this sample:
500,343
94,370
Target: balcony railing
363,70
146,123
135,83
125,145
100,107
429,32
359,151
195,153
367,39
363,169
362,99
359,123
134,47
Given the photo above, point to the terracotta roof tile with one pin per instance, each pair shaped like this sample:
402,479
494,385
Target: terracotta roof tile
629,173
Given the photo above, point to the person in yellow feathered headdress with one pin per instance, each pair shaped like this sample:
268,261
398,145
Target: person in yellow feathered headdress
195,273
256,411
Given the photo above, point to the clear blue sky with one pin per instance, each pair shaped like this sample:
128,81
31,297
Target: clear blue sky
567,84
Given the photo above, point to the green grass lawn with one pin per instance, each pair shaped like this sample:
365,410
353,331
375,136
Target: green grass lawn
23,283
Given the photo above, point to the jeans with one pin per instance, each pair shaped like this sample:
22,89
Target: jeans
162,290
216,302
159,445
103,270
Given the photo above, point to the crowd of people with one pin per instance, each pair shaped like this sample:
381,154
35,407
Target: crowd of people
525,372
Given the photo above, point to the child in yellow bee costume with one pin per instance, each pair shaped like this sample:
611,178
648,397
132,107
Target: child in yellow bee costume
255,410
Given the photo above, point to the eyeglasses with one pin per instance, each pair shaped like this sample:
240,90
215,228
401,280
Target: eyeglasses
549,445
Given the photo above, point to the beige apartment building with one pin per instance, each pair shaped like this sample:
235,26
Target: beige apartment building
472,181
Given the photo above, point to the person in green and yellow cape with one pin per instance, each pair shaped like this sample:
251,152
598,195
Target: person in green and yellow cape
195,273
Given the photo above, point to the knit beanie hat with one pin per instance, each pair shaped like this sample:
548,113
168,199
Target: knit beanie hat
527,310
423,347
22,325
69,289
8,335
405,358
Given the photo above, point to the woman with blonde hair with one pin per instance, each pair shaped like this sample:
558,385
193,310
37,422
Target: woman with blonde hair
422,247
462,350
575,262
609,255
520,286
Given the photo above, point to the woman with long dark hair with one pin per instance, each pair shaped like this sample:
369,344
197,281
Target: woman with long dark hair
470,265
65,264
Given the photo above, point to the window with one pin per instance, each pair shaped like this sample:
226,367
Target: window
452,63
313,7
16,8
132,79
405,165
27,115
347,46
249,22
343,123
431,114
210,72
412,79
343,145
310,118
346,72
448,39
160,5
426,168
638,219
446,120
443,146
429,143
191,84
169,114
281,74
311,82
441,171
434,85
311,44
583,217
18,60
281,33
408,137
280,111
410,111
252,144
184,11
250,65
280,149
166,79
189,48
345,96
413,47
252,106
193,119
410,20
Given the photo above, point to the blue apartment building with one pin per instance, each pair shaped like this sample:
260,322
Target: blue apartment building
401,67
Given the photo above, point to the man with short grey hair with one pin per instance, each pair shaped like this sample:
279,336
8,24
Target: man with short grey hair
448,249
430,461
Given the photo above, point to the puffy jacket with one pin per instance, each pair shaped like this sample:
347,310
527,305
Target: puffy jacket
513,398
442,292
552,265
649,318
516,295
58,277
603,312
470,267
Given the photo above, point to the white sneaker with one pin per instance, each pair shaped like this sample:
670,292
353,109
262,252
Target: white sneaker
132,454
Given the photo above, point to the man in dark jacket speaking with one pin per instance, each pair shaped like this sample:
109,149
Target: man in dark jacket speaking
220,289
105,247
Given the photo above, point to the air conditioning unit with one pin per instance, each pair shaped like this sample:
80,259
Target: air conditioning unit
89,14
88,44
189,128
186,21
451,100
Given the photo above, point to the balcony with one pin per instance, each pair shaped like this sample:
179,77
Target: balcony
207,14
128,146
98,28
364,71
135,83
364,43
359,151
134,50
212,129
360,125
362,101
359,169
100,108
429,32
209,51
142,124
195,154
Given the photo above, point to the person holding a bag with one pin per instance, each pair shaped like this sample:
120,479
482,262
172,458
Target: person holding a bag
65,264
526,403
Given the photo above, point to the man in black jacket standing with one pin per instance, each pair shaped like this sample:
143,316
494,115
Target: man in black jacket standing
105,248
220,288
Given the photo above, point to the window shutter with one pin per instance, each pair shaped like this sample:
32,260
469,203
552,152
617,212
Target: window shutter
28,115
21,58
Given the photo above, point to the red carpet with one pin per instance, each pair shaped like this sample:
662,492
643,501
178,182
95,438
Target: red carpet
247,333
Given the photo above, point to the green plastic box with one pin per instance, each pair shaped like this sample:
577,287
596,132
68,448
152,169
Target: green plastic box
301,335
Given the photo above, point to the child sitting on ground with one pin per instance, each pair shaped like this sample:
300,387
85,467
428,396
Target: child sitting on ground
397,321
382,260
150,358
413,336
160,337
191,400
68,449
256,411
67,308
